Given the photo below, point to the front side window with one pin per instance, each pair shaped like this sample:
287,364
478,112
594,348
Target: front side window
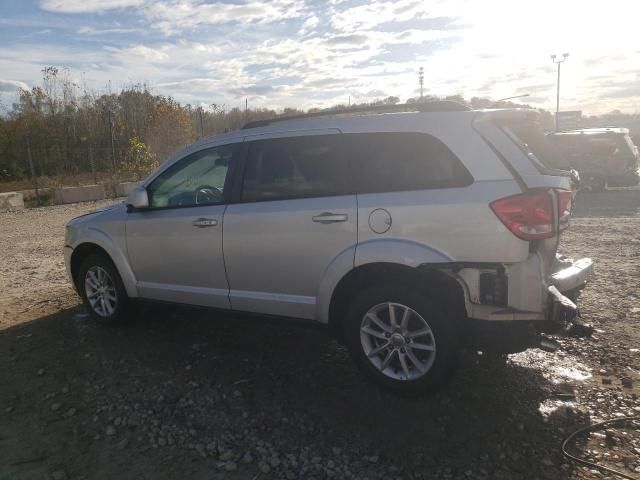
198,179
295,167
403,161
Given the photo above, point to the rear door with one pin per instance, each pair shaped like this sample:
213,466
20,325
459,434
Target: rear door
293,216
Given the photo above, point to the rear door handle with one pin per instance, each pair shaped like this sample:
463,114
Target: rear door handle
328,217
204,222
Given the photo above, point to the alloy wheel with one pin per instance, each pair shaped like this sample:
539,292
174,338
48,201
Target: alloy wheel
100,291
398,341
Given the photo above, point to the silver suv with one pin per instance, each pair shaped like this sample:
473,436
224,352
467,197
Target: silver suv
410,234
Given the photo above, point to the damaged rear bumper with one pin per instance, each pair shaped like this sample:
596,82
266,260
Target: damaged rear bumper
509,330
566,284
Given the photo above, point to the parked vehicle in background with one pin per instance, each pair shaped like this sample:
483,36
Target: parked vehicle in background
411,235
603,156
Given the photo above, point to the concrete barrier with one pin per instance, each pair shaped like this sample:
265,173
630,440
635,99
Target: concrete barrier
86,193
123,189
11,200
31,194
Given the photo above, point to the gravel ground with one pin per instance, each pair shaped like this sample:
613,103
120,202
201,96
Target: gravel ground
189,394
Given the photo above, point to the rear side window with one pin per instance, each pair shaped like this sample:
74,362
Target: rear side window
538,147
403,161
295,167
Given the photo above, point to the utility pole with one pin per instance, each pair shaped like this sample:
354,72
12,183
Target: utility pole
113,147
421,81
558,62
32,170
201,123
246,108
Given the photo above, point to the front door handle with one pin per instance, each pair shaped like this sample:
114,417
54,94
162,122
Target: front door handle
204,222
328,217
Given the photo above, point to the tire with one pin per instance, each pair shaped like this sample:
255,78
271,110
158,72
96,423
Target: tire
102,290
425,314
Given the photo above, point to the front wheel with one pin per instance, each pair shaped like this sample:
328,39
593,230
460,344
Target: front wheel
102,290
401,339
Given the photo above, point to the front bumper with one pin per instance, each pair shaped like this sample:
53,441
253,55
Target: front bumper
68,251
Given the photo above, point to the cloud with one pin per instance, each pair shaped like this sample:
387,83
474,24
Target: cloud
353,39
10,86
150,54
251,90
309,25
374,13
104,31
174,16
87,6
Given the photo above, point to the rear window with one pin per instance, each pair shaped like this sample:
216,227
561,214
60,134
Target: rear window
403,161
538,147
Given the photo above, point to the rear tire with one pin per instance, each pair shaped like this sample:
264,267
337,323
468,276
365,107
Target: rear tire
102,290
411,356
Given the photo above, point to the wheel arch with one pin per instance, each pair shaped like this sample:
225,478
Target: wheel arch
381,273
91,246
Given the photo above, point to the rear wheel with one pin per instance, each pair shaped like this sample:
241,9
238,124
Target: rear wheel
400,339
102,290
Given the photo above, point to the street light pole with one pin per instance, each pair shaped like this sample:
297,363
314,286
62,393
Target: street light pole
558,62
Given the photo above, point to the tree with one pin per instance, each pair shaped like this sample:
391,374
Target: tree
139,159
170,127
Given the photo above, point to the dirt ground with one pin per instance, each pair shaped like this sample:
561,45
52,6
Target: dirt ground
191,394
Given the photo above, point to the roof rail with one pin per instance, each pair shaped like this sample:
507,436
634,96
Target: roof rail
435,106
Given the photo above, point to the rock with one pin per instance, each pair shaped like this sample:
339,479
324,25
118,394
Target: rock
264,468
71,412
55,406
547,462
122,443
247,458
110,431
373,459
59,475
230,466
133,420
227,455
41,372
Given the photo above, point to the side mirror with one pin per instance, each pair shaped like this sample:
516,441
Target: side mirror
138,198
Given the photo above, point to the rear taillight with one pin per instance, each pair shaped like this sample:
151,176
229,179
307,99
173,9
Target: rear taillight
528,216
565,201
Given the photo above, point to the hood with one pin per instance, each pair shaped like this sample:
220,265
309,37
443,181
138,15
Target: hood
98,212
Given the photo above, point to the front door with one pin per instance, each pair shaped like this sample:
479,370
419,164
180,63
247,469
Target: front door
294,216
175,246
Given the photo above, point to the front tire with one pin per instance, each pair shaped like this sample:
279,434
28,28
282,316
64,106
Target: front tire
401,339
102,290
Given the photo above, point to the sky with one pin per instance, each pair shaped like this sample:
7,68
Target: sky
310,53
